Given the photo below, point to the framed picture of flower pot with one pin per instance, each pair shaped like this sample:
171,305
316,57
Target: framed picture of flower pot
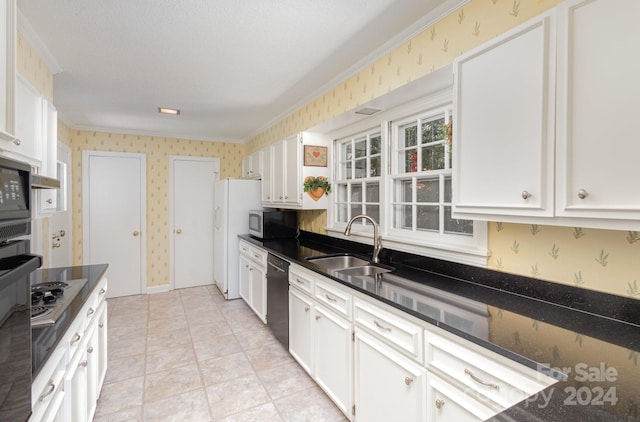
315,156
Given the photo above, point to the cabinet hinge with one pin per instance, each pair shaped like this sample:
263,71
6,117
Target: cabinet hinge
353,410
353,336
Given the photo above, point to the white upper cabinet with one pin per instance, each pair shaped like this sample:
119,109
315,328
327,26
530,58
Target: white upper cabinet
29,128
503,123
598,102
7,70
252,166
285,168
543,120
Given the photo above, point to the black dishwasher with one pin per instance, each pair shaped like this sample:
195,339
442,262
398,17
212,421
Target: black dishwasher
278,298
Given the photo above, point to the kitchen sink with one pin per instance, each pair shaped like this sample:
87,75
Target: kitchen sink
338,261
365,270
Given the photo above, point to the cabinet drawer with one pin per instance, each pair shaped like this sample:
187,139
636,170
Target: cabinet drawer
255,254
448,403
300,279
334,298
245,248
486,374
400,332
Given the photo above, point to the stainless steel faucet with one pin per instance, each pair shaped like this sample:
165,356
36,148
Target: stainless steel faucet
377,240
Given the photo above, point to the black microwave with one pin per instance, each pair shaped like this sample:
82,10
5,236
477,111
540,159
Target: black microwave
273,224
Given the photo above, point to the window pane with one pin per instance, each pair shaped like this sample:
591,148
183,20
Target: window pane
356,209
346,151
374,145
403,217
453,225
342,216
342,193
375,166
433,131
433,157
447,189
428,217
404,191
356,193
408,135
409,161
361,168
427,190
373,192
373,211
361,148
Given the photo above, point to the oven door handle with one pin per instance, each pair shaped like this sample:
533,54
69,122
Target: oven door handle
19,266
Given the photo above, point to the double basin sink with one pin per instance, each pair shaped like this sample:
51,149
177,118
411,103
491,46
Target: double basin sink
348,264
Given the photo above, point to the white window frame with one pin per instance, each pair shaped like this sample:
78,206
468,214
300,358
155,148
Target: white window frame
472,250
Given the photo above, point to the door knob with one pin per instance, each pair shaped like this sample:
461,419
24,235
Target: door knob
178,231
136,233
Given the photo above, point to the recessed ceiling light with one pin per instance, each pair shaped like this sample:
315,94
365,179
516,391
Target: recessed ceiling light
367,111
166,110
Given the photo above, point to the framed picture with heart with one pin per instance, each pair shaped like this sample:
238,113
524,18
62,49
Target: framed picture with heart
315,156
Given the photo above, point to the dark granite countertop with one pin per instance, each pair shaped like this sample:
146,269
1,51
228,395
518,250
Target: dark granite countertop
46,338
592,338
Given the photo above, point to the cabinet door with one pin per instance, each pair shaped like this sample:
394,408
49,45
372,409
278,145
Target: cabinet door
388,386
28,115
244,278
258,287
267,175
300,329
598,100
246,167
7,70
333,360
292,164
504,124
279,163
447,403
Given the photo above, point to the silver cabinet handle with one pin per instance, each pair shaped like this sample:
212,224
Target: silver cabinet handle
439,404
76,338
299,281
306,309
90,349
318,317
90,312
101,325
331,299
52,388
582,193
102,291
83,364
17,142
408,380
49,201
382,327
482,382
526,194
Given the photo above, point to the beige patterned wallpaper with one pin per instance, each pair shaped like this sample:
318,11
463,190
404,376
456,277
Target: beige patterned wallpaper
157,150
601,260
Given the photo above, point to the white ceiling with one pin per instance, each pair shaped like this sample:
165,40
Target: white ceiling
233,67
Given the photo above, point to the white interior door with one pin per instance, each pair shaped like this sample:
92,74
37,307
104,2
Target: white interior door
114,218
192,196
60,222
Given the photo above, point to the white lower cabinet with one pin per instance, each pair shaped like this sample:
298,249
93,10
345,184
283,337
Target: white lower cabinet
448,403
252,278
301,328
388,386
69,384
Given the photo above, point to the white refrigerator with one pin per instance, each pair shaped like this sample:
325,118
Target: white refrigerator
233,198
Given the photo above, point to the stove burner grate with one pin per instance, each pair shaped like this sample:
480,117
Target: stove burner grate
44,287
37,311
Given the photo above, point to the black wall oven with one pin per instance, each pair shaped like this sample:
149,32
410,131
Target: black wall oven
16,266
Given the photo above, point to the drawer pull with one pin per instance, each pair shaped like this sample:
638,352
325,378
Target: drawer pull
76,338
83,364
408,380
306,309
103,291
318,317
382,327
479,381
101,325
90,349
90,312
439,404
299,281
256,256
52,388
331,299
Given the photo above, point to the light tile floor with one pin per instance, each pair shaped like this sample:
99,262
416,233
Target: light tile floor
188,355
